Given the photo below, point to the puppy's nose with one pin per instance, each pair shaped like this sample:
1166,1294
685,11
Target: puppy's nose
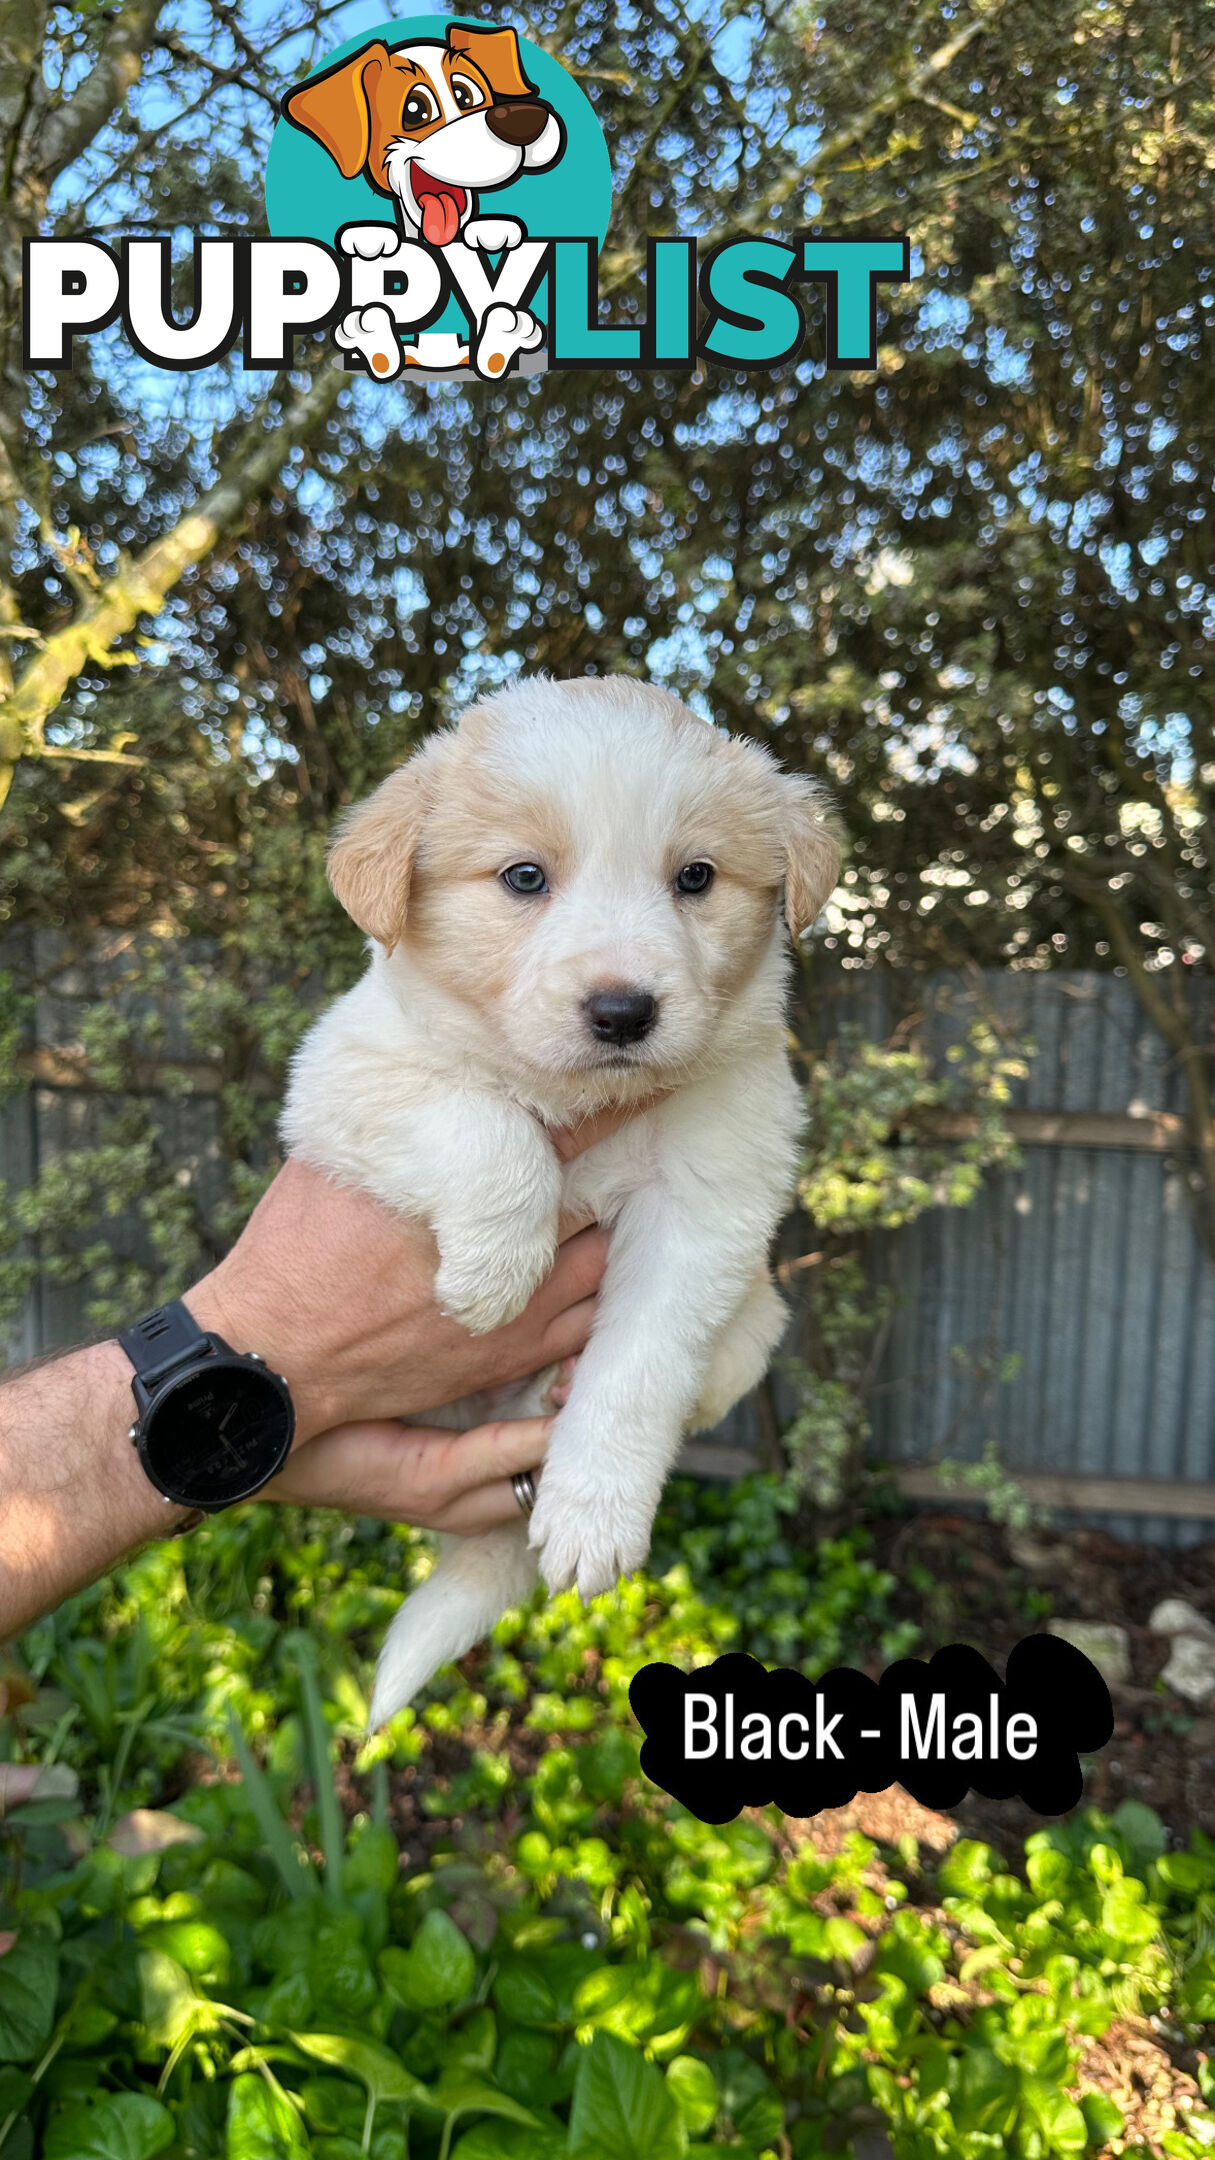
620,1015
517,124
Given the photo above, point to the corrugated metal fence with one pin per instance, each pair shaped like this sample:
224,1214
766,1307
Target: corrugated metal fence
1068,1315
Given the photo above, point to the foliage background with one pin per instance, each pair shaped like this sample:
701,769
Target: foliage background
972,590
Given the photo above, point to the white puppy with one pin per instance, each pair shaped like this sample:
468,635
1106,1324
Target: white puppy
574,899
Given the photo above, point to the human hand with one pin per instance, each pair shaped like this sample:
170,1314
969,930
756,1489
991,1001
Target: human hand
418,1474
337,1293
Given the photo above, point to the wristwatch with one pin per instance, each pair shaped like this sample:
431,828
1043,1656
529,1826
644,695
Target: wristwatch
213,1425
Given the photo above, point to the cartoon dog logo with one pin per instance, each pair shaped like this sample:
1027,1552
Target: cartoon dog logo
433,126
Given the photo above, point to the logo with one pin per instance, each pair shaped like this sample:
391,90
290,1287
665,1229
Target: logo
432,161
437,196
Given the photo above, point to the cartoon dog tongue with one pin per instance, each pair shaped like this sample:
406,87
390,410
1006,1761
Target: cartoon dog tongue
439,208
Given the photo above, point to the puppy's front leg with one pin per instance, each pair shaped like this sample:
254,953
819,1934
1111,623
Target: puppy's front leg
485,1176
672,1283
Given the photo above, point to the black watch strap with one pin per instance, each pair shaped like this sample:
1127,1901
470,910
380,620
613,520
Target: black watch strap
162,1340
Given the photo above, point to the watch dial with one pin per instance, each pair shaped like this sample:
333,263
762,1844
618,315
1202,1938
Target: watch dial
218,1435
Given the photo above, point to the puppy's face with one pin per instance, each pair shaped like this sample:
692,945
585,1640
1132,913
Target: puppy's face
593,871
431,124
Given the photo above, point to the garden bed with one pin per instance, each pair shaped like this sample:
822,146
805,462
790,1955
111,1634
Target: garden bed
962,1579
485,1936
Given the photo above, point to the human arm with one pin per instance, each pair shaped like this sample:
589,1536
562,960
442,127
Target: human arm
337,1294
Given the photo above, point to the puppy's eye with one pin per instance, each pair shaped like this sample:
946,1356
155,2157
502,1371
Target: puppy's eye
695,877
419,107
465,93
525,877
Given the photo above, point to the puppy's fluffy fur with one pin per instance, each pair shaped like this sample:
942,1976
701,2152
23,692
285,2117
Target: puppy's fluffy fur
430,1082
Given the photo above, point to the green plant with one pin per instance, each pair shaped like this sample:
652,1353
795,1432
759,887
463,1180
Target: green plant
484,1936
1005,1500
887,1140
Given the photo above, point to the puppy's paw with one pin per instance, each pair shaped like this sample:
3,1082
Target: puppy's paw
369,242
504,333
587,1533
372,333
492,233
483,1286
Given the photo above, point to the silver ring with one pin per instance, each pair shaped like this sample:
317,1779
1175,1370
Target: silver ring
523,1487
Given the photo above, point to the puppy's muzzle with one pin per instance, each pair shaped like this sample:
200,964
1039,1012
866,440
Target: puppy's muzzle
517,121
620,1015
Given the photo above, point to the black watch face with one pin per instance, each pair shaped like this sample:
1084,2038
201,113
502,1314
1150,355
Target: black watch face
217,1434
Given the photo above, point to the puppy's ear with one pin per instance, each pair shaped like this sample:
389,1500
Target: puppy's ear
333,107
496,53
371,861
812,853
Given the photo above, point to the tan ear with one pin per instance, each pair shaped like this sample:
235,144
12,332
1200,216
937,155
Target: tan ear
812,853
333,107
496,53
371,861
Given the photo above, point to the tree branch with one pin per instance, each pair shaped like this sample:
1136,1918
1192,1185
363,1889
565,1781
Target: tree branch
141,588
68,131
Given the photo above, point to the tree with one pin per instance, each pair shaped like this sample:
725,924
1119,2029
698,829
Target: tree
918,581
67,75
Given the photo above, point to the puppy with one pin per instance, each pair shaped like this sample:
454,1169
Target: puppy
432,124
574,899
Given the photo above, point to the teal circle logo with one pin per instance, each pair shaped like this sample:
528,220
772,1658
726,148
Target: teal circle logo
438,156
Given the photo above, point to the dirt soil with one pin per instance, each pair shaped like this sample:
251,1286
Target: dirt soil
990,1589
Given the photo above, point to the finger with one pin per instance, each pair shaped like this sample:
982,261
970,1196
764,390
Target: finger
373,1468
568,1335
576,1274
408,1473
557,1393
491,1452
488,1508
526,1344
571,1140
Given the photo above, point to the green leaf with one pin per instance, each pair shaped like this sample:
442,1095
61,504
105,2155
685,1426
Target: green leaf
460,2093
89,2023
524,1995
195,1945
622,2108
507,2141
474,2043
333,2105
388,2142
118,2126
170,2004
524,2066
15,2089
439,1968
374,1863
333,1843
1060,2118
248,2058
1142,1828
294,1867
384,2075
695,2090
1103,2116
262,2125
29,1976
